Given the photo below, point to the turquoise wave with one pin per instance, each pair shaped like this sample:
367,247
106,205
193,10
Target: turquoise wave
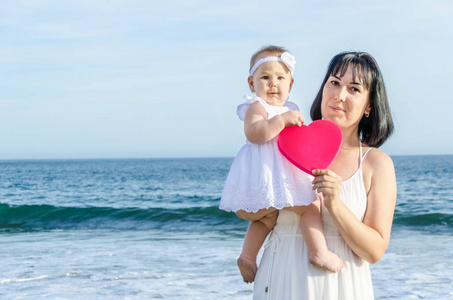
424,219
48,217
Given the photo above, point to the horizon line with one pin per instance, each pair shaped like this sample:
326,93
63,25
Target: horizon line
165,157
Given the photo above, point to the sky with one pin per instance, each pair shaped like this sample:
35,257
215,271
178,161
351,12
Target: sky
156,79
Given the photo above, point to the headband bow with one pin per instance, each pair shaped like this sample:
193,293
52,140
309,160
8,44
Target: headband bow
287,58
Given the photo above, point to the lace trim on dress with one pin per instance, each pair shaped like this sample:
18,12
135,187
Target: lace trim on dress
278,194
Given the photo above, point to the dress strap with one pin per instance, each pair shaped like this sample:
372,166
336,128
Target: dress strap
360,147
362,157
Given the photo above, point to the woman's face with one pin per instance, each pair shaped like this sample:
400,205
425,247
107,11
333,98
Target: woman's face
344,100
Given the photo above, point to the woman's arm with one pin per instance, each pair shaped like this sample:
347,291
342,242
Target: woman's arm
368,238
259,129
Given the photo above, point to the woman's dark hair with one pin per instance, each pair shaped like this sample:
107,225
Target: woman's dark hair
375,129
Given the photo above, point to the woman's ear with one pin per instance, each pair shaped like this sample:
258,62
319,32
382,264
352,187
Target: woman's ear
367,110
250,82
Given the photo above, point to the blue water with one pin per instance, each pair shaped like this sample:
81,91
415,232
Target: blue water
150,228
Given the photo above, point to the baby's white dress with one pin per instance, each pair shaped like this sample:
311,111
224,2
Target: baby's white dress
260,176
284,271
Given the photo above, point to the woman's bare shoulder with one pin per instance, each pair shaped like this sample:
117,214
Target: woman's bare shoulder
379,162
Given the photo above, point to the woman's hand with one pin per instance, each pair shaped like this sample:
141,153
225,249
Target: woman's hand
329,184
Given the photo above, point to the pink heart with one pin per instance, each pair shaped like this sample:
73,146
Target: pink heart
311,147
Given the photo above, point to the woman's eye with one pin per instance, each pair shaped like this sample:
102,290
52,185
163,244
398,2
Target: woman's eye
355,90
334,82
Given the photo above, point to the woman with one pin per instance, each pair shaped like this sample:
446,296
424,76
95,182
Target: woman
358,193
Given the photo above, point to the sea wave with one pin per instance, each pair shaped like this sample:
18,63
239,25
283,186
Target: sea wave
49,217
424,219
34,217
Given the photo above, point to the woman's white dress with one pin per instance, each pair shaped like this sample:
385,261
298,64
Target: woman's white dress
285,272
260,176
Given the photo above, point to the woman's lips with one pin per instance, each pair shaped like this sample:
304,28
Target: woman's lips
336,108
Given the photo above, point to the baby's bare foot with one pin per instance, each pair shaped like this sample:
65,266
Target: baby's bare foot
248,269
327,260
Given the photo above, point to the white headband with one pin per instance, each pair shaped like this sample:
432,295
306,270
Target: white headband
287,58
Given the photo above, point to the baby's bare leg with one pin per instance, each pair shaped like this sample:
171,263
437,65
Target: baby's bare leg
251,216
313,232
254,239
299,210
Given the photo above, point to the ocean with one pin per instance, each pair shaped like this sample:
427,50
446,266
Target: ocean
151,228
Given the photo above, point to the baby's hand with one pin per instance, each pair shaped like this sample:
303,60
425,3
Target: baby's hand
292,118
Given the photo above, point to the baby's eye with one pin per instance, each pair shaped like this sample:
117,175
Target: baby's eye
281,78
265,77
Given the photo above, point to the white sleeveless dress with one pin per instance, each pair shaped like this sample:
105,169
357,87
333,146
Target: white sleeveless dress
260,176
285,272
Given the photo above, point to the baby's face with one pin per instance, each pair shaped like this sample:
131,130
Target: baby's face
272,82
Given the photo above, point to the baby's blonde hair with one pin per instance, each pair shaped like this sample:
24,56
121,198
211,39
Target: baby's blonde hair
271,50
